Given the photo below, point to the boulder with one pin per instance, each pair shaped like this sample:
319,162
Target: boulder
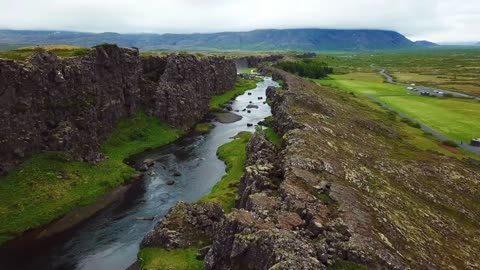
149,162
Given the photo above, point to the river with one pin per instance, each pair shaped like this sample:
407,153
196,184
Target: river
110,239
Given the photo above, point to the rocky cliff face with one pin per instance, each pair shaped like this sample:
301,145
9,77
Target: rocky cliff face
52,104
344,187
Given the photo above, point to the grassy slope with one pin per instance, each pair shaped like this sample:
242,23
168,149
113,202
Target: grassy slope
60,50
234,154
241,85
162,259
273,136
48,186
456,118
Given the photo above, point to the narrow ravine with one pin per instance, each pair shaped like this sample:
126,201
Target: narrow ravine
110,240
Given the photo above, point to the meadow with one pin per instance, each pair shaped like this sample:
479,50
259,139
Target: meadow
363,84
456,68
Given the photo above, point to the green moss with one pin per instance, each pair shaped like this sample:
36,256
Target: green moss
267,122
325,198
162,259
50,185
241,85
282,84
346,265
272,136
203,128
234,154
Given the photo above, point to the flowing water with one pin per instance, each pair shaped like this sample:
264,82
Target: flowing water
110,240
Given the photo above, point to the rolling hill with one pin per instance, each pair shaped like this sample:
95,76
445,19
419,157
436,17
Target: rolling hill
259,40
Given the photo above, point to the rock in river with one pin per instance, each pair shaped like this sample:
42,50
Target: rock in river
227,117
149,162
170,182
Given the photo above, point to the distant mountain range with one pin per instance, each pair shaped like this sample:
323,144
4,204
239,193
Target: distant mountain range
260,40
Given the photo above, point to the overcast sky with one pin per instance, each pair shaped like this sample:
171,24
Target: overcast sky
435,20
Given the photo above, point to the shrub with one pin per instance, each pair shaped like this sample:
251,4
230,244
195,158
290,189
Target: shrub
411,123
450,143
306,68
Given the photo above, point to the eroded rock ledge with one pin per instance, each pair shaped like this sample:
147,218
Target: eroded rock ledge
72,104
344,186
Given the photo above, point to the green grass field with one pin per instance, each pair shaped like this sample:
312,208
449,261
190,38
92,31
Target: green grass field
241,86
455,118
50,185
363,84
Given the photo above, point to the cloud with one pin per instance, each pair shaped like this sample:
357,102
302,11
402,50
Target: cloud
436,20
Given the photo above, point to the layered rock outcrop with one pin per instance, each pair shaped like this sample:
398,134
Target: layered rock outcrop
72,104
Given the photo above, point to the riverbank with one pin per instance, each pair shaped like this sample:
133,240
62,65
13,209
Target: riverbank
225,192
241,86
185,249
51,185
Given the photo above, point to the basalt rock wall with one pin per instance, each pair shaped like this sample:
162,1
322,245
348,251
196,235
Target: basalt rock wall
254,61
72,104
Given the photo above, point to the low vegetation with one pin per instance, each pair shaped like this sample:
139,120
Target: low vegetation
162,259
203,128
273,136
346,265
241,85
234,154
62,51
309,68
50,185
